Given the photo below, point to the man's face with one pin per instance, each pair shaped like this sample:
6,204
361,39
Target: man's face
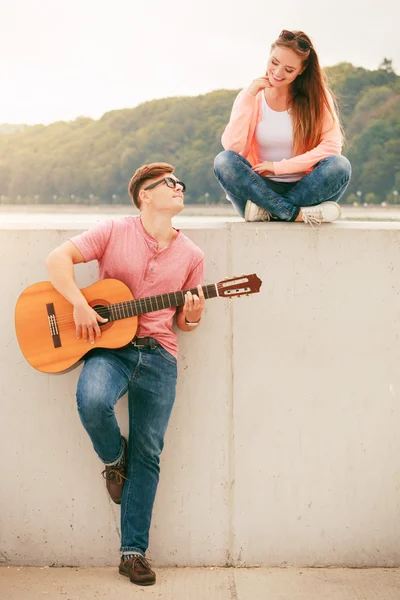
163,194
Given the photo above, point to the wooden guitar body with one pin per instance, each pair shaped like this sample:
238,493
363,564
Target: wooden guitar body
37,329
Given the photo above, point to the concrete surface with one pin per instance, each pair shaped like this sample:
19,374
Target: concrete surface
316,451
283,447
29,583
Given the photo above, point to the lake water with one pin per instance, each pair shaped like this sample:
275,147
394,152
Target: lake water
84,219
51,220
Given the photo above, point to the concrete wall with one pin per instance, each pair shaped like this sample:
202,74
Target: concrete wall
283,447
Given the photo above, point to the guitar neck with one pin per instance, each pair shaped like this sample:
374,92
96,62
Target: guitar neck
134,308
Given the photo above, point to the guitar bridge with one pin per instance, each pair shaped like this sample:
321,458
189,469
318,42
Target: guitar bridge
51,315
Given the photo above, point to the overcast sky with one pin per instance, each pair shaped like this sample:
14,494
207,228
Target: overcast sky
60,59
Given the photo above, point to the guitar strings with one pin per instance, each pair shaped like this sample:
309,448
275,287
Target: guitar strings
119,309
67,318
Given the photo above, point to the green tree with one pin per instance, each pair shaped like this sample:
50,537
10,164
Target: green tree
371,198
92,161
386,65
351,199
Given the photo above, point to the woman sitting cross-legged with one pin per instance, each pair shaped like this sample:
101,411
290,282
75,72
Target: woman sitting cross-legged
282,159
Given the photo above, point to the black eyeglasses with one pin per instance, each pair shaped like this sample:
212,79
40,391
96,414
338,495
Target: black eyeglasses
289,36
169,181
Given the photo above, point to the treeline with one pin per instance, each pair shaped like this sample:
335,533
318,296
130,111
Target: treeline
370,112
88,161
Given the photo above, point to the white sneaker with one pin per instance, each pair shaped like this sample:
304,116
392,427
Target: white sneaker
326,212
253,212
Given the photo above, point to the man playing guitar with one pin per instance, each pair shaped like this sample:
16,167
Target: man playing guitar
150,257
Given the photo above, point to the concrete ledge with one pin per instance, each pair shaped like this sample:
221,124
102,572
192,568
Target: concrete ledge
283,447
202,584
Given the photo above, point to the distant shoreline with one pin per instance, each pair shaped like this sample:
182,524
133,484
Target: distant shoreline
349,212
201,210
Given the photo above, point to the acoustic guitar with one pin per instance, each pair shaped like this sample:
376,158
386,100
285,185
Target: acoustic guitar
46,329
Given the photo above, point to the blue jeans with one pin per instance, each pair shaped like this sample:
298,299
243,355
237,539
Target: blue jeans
149,376
327,181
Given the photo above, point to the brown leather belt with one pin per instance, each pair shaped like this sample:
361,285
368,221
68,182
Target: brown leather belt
144,342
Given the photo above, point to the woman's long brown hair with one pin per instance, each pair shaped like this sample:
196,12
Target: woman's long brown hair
310,97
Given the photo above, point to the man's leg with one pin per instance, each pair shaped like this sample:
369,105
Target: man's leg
151,398
103,380
241,183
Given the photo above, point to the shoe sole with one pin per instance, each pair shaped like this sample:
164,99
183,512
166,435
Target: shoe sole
247,211
144,584
135,582
118,501
337,207
250,215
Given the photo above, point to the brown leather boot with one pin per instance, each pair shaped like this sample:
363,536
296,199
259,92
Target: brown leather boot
138,570
115,477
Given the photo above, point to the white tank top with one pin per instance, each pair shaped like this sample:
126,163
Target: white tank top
273,137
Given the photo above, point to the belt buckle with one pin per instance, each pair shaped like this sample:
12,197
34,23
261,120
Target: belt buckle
151,343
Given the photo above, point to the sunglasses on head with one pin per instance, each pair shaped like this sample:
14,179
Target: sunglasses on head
289,36
169,182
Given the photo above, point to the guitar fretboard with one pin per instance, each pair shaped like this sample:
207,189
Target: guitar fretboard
134,308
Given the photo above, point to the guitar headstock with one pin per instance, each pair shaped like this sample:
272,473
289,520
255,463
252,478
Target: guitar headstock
239,286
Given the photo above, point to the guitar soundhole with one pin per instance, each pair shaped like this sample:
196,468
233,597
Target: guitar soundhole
103,311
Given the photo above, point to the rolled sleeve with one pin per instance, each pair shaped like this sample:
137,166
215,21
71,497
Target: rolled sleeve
93,242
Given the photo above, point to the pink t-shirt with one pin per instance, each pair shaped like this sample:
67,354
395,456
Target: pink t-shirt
125,251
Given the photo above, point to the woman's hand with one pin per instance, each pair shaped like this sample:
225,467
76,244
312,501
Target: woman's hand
258,84
264,168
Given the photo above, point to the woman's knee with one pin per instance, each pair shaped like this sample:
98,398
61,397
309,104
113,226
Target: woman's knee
224,161
339,166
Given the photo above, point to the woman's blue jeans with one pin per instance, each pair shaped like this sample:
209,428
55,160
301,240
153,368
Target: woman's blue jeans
327,181
149,376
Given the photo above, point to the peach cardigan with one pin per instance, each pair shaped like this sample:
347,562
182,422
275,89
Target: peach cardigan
239,136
